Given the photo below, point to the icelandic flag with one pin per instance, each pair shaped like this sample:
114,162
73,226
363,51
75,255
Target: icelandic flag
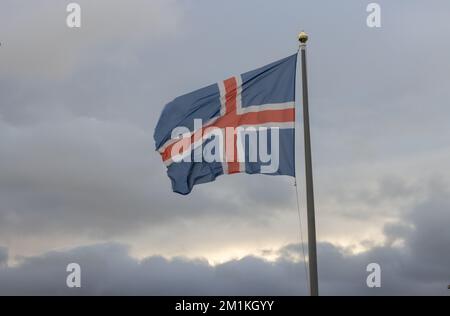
242,124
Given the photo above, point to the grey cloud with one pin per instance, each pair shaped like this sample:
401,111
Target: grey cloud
418,267
37,42
103,178
78,148
3,256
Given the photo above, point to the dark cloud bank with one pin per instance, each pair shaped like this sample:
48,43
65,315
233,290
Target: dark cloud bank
414,260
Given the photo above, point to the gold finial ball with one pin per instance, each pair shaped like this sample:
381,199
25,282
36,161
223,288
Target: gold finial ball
302,37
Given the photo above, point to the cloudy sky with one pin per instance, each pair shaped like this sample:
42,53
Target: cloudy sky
80,180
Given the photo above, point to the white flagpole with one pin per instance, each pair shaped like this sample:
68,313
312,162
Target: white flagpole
312,252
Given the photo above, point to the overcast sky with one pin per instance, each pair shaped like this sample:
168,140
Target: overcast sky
80,180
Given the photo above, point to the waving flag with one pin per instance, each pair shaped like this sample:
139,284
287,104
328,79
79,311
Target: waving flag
242,124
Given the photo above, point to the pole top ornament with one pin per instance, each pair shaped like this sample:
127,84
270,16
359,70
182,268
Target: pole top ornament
302,37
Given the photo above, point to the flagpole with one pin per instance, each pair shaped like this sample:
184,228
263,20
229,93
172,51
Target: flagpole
312,252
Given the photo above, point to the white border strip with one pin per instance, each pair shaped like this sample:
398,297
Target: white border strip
266,107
